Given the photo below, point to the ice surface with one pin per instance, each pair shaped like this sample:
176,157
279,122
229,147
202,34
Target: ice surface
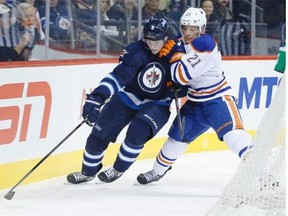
191,188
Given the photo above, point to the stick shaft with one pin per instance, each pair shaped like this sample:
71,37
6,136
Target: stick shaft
179,119
43,159
180,123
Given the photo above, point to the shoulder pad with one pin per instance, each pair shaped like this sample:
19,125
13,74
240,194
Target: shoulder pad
205,43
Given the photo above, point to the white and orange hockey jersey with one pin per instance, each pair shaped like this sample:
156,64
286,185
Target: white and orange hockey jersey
201,70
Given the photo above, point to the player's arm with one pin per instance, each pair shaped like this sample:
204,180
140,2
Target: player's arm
196,63
181,71
121,75
173,51
96,99
108,86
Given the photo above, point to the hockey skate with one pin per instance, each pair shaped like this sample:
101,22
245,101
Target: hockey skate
150,176
80,177
109,175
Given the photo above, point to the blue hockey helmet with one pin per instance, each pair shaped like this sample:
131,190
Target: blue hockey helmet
156,28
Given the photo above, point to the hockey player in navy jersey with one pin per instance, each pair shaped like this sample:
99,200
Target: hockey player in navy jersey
210,104
139,97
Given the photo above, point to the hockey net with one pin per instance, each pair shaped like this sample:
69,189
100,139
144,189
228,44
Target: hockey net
259,184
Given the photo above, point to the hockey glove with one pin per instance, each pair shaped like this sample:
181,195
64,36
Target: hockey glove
176,91
91,108
172,50
181,92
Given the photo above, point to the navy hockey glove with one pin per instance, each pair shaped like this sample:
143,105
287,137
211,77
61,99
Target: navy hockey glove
91,108
176,91
180,92
172,51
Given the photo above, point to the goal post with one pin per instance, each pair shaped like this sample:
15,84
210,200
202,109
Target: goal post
259,184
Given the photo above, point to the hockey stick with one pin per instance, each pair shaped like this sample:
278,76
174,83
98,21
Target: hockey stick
11,193
181,121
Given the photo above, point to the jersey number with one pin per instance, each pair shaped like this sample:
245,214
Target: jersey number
193,60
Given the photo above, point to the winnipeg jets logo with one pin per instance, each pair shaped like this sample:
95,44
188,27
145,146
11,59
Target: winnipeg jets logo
63,23
151,77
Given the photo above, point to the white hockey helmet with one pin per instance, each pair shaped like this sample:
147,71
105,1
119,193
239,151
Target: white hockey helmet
194,17
4,9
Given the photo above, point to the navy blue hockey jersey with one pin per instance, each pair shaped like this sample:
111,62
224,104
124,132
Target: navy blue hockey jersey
140,77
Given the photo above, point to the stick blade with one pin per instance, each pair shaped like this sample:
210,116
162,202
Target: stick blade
9,195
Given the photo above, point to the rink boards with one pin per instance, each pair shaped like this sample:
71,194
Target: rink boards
40,103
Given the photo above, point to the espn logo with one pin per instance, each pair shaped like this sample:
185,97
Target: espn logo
17,100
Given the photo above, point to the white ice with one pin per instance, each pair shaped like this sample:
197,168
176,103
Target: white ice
191,188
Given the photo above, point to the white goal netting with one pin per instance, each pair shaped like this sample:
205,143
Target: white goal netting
259,184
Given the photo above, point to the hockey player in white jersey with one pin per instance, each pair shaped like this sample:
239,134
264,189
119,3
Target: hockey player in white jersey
210,100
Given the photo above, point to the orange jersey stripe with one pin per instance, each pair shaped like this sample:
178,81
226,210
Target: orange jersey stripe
181,77
163,160
235,113
210,92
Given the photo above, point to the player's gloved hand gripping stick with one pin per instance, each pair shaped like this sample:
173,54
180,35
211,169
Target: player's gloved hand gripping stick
173,51
181,121
91,108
